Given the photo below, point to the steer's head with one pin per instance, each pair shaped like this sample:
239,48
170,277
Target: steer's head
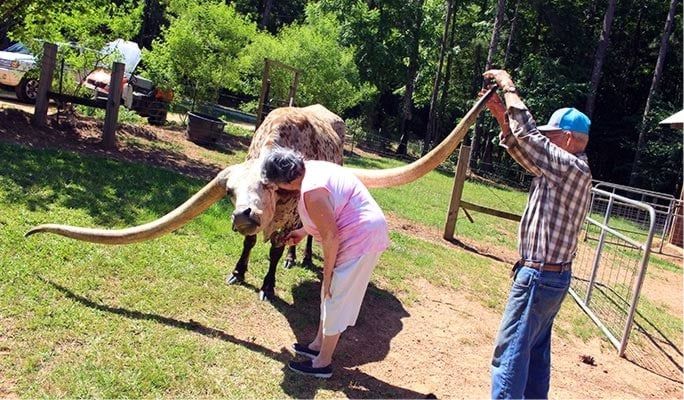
254,201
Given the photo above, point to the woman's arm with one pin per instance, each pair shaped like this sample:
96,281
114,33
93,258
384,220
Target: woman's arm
320,207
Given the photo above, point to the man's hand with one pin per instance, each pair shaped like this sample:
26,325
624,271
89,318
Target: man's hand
504,81
501,77
295,237
494,104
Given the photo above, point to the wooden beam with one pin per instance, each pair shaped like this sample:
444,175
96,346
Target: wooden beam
490,211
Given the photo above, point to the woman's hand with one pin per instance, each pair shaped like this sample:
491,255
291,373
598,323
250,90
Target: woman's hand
327,294
295,237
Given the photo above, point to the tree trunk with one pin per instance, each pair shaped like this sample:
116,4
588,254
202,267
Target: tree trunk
498,20
266,14
430,134
511,34
601,50
667,31
152,23
412,71
447,79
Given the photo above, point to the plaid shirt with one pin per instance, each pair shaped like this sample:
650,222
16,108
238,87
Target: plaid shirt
559,194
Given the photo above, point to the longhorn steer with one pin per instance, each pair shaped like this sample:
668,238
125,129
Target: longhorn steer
315,132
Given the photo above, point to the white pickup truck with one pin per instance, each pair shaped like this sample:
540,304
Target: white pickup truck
15,62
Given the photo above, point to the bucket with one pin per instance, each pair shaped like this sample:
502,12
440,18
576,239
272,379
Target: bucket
204,128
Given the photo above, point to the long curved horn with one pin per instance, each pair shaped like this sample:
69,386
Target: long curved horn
208,195
379,178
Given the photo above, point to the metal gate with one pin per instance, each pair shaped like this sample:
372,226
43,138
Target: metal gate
611,262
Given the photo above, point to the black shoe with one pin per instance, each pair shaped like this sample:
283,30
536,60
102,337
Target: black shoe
305,368
304,350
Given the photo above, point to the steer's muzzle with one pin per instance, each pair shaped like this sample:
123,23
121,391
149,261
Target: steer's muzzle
246,222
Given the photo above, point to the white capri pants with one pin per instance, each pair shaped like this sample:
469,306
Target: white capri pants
349,283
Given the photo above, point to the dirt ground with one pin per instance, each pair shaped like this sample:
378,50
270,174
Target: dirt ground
452,361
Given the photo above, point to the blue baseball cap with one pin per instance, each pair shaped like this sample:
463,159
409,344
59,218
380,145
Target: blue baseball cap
568,119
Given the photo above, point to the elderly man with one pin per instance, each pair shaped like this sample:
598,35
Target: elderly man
556,208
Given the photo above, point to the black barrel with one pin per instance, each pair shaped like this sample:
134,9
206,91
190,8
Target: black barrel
203,128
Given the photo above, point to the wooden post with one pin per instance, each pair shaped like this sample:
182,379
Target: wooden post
457,191
262,96
113,100
293,88
47,69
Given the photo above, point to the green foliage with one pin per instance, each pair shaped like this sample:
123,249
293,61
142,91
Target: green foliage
87,23
662,152
125,116
197,54
329,75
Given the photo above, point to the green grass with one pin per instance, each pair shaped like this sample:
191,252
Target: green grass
156,319
434,193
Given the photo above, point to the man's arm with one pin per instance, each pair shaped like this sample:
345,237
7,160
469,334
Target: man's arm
506,140
532,150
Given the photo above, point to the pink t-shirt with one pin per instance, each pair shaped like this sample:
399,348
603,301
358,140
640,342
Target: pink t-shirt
361,225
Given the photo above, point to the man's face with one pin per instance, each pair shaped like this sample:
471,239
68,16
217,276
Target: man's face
558,137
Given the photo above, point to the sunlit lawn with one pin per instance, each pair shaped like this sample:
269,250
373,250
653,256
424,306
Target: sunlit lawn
156,318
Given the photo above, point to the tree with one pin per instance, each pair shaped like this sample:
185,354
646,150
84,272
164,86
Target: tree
498,20
197,54
511,33
601,49
431,130
667,31
412,71
88,23
329,74
152,23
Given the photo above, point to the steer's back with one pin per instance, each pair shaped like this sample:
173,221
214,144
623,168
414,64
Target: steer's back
314,131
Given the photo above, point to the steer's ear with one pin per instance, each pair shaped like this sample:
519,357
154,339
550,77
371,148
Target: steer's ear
228,178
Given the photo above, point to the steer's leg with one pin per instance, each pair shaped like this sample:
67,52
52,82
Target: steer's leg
268,288
307,260
291,257
238,276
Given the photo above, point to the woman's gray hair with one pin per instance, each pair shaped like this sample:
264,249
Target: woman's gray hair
282,166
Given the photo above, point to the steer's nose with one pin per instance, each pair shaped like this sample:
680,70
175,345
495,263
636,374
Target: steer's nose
246,221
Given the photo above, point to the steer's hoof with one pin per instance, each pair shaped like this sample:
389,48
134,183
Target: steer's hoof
266,295
234,279
288,264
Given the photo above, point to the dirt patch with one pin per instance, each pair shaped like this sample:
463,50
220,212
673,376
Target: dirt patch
439,345
138,144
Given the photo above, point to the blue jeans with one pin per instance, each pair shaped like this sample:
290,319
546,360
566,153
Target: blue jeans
521,366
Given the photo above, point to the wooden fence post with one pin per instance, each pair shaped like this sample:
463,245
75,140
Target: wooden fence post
262,95
457,191
47,69
113,100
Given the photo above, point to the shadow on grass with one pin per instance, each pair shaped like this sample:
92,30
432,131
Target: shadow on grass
369,341
475,250
83,135
111,192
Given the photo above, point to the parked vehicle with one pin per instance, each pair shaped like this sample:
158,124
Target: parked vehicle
138,94
15,62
